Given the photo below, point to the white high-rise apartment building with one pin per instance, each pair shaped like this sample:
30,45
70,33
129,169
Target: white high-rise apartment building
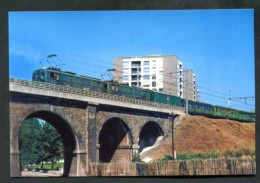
162,73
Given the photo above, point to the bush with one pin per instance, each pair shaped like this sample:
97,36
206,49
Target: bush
166,158
252,154
214,154
228,153
186,156
246,152
136,158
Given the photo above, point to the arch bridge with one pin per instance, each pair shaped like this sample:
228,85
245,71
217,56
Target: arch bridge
95,127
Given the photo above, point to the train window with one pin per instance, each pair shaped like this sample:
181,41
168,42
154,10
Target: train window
113,87
168,98
116,88
54,76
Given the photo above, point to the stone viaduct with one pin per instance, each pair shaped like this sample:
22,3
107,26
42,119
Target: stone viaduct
94,127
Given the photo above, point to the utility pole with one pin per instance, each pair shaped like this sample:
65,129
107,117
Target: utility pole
172,118
187,101
228,98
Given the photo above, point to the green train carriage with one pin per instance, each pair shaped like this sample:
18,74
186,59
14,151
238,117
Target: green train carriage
55,76
224,112
198,108
125,90
165,98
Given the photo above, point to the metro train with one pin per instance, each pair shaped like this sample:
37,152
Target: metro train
56,76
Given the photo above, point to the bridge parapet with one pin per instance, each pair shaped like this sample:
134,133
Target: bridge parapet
48,89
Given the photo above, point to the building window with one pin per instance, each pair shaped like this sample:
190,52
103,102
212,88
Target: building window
125,64
154,89
153,84
125,78
160,90
146,86
136,63
154,77
180,93
146,77
146,70
125,71
154,70
146,63
160,72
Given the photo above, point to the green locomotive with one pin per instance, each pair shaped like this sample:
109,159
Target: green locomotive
56,76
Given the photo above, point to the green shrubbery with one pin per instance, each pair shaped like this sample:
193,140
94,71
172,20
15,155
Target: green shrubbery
166,158
136,158
214,154
47,166
239,153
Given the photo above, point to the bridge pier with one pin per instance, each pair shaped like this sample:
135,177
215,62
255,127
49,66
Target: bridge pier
78,165
15,164
135,148
97,152
91,141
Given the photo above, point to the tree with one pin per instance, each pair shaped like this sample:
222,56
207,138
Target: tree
52,144
39,143
29,139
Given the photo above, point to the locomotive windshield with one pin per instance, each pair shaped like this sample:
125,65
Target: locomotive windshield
38,76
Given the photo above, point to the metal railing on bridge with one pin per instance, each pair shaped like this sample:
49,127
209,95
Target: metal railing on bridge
90,93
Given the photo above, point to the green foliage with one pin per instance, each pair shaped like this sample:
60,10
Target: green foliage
48,166
29,140
213,154
136,158
166,158
39,143
51,143
252,154
228,153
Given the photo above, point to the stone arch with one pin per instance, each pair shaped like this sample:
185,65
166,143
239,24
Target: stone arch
149,133
68,135
115,141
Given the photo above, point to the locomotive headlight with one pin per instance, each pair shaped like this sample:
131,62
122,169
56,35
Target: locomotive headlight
42,77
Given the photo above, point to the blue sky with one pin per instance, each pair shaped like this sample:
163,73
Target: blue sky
217,44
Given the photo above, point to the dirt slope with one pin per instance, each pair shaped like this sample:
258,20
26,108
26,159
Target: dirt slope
200,134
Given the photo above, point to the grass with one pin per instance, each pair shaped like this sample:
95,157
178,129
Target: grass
47,166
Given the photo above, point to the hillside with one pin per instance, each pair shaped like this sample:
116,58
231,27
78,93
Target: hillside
200,134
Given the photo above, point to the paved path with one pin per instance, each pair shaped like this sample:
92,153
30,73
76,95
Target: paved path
38,174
